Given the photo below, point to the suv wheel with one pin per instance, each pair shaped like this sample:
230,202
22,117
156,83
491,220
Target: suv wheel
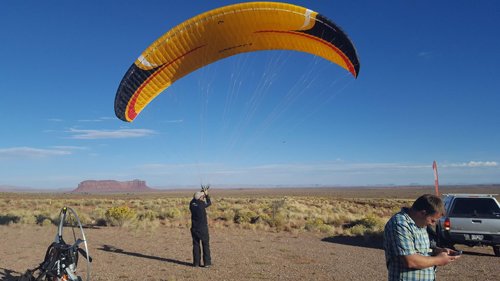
496,250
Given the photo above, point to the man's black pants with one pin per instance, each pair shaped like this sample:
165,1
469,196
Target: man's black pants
204,238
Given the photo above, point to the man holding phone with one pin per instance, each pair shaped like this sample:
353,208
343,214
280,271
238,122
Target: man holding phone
407,245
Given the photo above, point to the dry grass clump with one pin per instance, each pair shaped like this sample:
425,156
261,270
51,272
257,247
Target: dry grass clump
148,215
149,225
46,222
313,224
369,225
27,219
42,215
83,217
331,216
245,216
171,213
98,216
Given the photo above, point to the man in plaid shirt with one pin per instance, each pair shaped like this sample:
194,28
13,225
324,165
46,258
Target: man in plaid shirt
406,242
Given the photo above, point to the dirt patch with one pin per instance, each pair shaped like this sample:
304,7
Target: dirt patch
238,254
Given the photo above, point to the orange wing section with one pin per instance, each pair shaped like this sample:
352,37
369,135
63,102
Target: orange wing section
225,32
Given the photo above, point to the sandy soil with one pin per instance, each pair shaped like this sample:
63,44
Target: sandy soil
120,254
238,254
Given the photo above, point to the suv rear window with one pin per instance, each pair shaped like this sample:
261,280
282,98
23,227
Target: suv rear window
475,207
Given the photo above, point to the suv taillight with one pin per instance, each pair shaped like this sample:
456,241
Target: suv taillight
447,224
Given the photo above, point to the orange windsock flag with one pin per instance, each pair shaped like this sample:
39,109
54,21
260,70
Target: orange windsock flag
436,177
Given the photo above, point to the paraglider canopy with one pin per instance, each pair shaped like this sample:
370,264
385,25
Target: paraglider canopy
224,32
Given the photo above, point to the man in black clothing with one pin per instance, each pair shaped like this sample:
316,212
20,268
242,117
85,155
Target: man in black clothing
199,228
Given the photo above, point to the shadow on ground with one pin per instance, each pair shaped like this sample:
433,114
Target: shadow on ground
6,275
374,243
108,248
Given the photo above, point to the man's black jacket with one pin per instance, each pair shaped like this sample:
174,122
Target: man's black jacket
199,214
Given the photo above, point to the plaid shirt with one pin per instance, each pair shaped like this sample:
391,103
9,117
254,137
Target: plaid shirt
403,237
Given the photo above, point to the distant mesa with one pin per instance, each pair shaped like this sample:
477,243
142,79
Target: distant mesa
91,186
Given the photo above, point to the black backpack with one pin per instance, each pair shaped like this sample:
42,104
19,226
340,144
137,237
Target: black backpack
60,263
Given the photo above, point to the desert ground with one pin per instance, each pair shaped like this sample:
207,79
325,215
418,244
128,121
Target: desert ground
238,253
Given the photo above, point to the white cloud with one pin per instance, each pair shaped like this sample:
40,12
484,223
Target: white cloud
27,152
473,164
425,54
110,134
335,168
341,166
71,147
98,120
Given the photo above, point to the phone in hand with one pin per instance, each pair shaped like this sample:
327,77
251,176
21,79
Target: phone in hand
458,253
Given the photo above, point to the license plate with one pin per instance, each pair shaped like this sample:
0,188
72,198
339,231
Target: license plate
474,237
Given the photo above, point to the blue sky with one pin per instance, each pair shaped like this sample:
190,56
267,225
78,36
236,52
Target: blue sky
427,91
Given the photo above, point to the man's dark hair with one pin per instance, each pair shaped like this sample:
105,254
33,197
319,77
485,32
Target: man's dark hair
429,203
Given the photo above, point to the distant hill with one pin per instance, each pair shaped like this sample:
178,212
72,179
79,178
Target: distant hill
21,189
242,186
95,186
11,188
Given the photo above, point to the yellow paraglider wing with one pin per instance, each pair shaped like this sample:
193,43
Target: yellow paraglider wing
225,32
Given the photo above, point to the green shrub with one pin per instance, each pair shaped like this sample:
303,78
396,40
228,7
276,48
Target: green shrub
91,202
171,213
145,225
228,215
245,216
57,205
324,228
359,230
276,222
120,203
120,215
28,219
23,205
223,206
263,219
42,216
314,224
99,215
46,222
371,222
83,217
336,222
149,215
185,210
215,214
